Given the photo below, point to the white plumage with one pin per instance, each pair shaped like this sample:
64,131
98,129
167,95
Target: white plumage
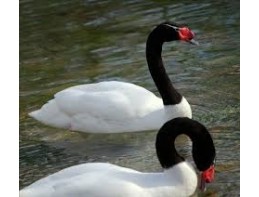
107,180
109,107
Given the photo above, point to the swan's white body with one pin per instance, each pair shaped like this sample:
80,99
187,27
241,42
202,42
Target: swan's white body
107,180
109,107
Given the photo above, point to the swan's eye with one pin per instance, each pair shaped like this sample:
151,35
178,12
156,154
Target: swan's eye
185,34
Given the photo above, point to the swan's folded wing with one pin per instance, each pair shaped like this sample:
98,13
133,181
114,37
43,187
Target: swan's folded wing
110,104
103,107
108,111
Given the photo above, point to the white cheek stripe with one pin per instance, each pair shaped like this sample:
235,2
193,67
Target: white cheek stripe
174,27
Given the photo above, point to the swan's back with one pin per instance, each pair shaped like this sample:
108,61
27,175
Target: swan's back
124,97
103,179
92,179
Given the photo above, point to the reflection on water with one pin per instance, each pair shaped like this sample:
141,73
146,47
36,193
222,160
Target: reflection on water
65,43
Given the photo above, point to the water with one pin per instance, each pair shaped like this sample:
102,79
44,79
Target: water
65,43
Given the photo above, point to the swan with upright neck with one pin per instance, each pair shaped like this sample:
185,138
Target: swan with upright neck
115,107
177,179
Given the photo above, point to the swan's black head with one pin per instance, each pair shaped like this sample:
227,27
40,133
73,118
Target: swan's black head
172,31
203,152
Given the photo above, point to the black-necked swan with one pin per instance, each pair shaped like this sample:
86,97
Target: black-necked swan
114,107
177,179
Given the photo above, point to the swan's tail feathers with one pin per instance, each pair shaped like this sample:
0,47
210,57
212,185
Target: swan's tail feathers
51,115
22,194
30,192
26,193
34,114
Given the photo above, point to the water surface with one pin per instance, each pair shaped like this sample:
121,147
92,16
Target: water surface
65,43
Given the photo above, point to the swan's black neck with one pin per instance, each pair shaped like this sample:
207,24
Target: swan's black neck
156,67
203,149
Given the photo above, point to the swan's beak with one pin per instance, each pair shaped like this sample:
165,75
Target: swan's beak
207,176
192,41
202,186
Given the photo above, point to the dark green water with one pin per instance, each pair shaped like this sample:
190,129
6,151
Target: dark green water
65,43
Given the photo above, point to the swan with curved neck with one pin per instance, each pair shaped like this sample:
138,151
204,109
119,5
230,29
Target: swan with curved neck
178,178
114,107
